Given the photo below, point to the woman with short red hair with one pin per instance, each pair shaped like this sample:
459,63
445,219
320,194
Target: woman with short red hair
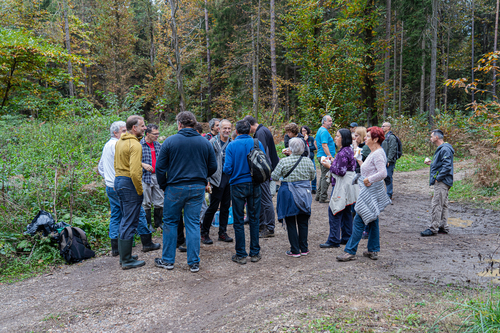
372,198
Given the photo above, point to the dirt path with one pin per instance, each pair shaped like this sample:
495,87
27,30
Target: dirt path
276,294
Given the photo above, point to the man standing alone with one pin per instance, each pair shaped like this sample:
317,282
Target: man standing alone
441,176
128,186
267,218
221,193
186,161
326,148
390,146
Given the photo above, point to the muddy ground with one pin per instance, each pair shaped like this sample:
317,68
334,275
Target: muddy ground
276,294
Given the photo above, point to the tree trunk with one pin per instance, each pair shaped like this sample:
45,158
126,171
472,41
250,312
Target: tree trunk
387,72
274,74
9,84
68,48
432,93
368,92
401,68
395,62
472,56
494,50
209,66
255,65
152,49
174,6
422,78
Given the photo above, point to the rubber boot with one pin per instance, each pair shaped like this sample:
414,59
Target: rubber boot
114,247
158,215
126,259
147,243
148,219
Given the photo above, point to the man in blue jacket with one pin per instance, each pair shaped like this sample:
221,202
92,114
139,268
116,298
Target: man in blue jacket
243,190
186,161
441,176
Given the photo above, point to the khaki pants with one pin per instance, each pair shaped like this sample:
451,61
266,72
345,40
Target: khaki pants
439,217
322,184
153,195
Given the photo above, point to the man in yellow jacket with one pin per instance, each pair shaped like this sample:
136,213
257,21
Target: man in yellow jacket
128,186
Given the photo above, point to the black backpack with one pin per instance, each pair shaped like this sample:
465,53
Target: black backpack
260,168
399,153
73,245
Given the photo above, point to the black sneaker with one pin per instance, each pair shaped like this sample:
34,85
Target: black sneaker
427,232
194,268
162,264
182,248
205,239
240,260
442,231
225,238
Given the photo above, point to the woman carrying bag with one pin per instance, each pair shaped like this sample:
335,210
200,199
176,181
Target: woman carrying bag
344,194
372,198
294,196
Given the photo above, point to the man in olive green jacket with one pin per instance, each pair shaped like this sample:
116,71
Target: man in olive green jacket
128,186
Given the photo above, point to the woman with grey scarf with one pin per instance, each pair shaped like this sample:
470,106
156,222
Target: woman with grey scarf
294,196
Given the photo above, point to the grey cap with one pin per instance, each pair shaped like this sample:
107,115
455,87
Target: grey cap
354,125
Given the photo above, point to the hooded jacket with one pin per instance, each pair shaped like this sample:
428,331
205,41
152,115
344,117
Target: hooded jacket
128,159
442,165
186,158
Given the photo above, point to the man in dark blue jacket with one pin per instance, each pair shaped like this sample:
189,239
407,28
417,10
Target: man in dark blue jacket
243,190
441,176
186,161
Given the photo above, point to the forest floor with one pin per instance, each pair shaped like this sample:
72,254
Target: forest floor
414,280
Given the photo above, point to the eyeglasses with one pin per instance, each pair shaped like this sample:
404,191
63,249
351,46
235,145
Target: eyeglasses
155,134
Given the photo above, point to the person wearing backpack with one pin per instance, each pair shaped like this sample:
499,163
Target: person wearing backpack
390,146
243,190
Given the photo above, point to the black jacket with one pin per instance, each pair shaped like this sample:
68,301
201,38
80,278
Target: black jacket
266,138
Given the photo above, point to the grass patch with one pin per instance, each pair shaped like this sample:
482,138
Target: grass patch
410,163
465,190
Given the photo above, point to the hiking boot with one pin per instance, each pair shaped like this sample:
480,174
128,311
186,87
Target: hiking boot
205,239
194,268
371,255
147,243
255,258
290,254
225,238
240,260
162,264
304,253
182,247
266,233
427,232
114,247
346,257
328,245
442,231
126,259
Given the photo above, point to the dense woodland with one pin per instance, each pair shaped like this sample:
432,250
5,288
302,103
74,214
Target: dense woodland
358,60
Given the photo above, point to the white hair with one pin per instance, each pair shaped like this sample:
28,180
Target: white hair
296,146
115,127
324,119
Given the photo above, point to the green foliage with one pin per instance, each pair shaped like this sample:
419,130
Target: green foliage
410,163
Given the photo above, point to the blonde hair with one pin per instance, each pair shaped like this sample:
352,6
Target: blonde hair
361,131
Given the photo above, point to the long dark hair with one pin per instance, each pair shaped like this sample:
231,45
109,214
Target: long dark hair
346,136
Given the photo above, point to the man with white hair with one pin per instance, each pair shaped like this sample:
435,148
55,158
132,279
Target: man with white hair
326,148
107,170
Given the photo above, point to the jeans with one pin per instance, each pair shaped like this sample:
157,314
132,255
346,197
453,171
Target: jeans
130,206
142,228
322,192
222,196
178,197
266,216
250,194
342,221
298,242
357,232
313,182
388,179
116,213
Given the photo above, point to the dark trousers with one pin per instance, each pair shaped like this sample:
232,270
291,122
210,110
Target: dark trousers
181,239
266,217
340,222
130,206
250,194
298,242
220,195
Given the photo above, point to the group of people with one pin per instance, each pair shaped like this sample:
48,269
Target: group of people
170,179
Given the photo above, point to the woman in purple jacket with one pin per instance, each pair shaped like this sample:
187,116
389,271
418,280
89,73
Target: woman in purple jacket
340,223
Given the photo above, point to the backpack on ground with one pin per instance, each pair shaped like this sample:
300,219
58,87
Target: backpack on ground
73,245
399,153
260,168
